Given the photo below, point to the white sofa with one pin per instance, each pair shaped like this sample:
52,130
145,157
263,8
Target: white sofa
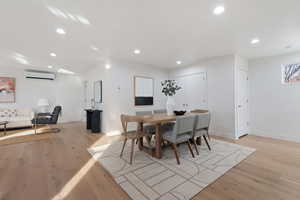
17,118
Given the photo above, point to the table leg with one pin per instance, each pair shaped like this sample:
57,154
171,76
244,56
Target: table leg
4,129
141,125
35,128
158,142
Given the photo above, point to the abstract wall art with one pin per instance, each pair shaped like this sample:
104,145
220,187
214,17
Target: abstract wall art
290,73
7,90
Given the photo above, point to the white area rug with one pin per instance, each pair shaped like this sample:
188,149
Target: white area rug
150,179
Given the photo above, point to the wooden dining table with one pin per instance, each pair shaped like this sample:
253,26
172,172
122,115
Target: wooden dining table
157,120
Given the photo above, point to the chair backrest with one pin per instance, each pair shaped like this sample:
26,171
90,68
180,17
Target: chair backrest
140,113
184,125
202,121
159,111
199,111
55,114
126,119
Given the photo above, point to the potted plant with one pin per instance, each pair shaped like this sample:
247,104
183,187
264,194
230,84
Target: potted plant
169,88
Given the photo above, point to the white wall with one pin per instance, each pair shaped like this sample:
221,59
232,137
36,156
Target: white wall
66,91
220,81
275,107
118,92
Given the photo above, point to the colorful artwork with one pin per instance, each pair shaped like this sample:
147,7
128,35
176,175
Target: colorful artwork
7,90
291,73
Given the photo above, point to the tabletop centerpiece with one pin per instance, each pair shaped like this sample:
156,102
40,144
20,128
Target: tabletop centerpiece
169,89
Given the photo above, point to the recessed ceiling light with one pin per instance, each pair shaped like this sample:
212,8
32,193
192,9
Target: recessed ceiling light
255,41
178,62
60,31
137,51
107,66
219,10
53,54
50,67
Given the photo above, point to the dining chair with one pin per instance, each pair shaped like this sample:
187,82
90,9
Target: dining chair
165,126
147,128
131,135
183,131
202,126
159,111
150,129
198,111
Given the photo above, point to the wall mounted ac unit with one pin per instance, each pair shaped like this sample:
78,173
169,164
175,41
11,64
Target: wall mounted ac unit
34,74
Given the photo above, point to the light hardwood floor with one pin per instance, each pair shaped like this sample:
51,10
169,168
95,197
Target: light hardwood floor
59,167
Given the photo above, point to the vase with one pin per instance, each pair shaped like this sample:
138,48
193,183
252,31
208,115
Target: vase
170,105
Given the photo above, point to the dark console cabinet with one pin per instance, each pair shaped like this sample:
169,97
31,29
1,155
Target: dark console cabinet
93,120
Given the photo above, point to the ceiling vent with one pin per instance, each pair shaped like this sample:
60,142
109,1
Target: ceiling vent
44,75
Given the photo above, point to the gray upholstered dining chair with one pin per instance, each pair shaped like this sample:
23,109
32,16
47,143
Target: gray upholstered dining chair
202,126
183,131
198,111
149,129
165,126
159,111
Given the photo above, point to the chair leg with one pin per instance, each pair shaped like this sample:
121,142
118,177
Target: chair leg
176,153
124,143
132,149
198,141
195,145
206,142
148,139
190,148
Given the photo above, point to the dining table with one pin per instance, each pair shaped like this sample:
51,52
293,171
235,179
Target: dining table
157,120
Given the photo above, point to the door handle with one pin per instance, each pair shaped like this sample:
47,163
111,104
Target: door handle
239,106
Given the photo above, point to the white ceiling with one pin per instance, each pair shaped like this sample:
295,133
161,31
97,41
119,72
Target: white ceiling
164,31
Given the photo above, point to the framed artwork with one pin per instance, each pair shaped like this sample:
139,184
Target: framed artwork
143,91
7,90
290,73
98,91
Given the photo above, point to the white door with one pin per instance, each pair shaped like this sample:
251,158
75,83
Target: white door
196,87
193,94
243,103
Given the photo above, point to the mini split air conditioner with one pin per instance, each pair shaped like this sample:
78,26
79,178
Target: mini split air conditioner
33,74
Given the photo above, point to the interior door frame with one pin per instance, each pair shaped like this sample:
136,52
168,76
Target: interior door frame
237,78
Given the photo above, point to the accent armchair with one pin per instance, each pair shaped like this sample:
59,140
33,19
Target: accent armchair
47,119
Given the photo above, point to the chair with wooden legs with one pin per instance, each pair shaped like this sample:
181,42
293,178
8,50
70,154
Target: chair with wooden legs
198,111
131,135
201,127
148,128
166,126
182,132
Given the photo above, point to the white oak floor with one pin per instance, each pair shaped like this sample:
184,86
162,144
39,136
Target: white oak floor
59,167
